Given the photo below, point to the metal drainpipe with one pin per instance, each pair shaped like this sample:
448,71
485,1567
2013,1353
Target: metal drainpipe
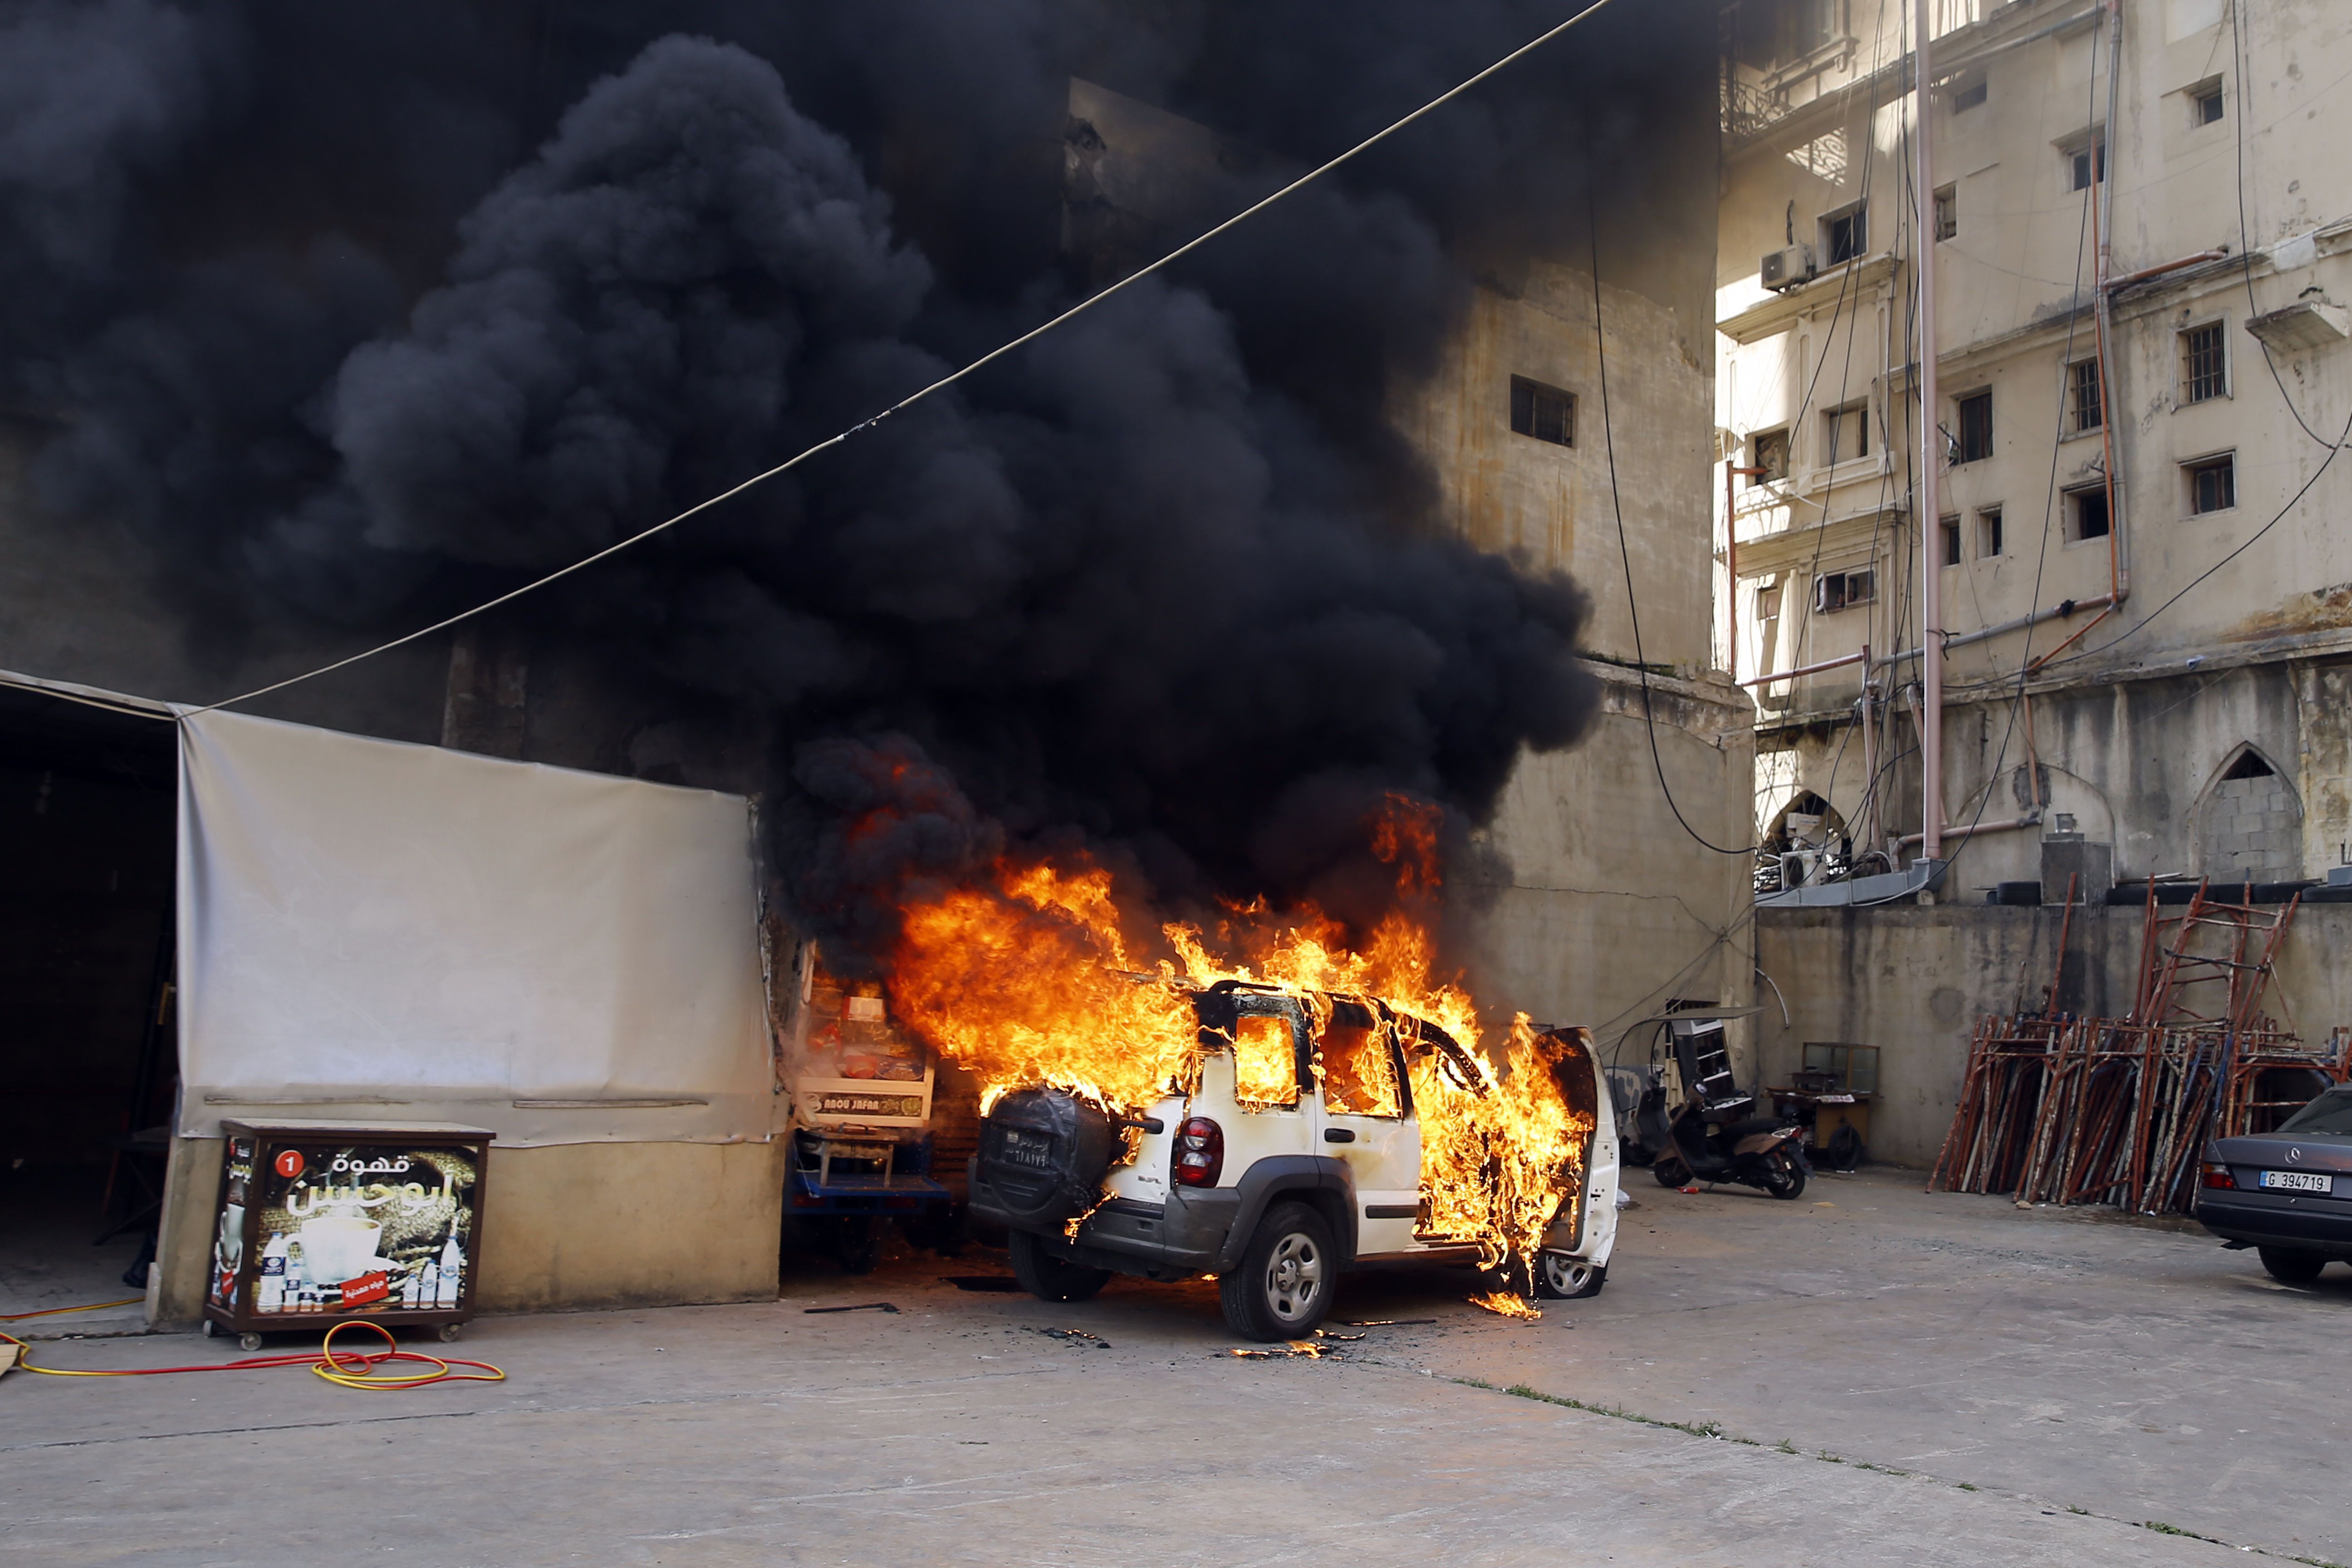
2102,214
1869,756
1931,630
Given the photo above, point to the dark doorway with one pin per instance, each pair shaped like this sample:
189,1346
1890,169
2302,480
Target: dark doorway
88,803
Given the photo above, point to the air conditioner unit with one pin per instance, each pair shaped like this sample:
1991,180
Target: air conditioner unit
1787,269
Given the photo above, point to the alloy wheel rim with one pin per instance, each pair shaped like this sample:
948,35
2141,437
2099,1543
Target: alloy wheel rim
1566,1275
1294,1274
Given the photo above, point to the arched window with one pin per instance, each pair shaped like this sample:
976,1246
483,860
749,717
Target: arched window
2250,827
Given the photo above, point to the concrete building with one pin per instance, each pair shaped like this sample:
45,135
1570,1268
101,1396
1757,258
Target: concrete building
2140,223
2138,219
1614,909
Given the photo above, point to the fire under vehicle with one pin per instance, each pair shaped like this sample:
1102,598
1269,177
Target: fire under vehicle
1297,1156
861,1121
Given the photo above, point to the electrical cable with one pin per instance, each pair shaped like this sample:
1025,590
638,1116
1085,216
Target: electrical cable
347,1369
1837,313
1088,303
2245,244
2280,516
1624,551
2025,664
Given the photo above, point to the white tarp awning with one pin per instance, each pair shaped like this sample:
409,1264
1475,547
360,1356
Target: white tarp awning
375,930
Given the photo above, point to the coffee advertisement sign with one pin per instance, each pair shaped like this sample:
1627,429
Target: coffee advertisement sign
318,1223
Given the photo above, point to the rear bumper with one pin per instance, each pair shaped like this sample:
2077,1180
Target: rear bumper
2309,1224
1183,1236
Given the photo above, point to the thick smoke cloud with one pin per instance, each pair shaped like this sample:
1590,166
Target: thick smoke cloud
1165,586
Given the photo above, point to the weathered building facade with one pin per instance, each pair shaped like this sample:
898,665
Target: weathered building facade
2140,217
1612,908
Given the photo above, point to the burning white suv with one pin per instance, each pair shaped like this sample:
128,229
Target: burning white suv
1296,1155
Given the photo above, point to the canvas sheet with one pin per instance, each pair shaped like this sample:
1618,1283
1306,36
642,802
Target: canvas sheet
379,930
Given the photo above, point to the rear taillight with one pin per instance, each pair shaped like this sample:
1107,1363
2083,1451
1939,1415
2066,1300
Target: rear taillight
2219,1176
1199,1154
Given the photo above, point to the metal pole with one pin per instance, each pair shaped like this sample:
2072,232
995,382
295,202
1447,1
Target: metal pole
1730,576
1869,758
1931,560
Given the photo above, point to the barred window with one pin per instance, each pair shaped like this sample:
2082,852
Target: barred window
1546,413
2204,376
2087,410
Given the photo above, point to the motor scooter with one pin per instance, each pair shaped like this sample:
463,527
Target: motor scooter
1709,1138
1760,1152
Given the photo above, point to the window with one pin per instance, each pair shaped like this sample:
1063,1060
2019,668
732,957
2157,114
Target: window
2212,484
1948,212
2205,102
1845,434
2086,409
1844,235
1843,590
2087,164
2204,374
1968,91
1976,427
1265,1060
1360,1075
1951,531
1546,413
1988,541
1771,456
2086,513
1768,629
1813,25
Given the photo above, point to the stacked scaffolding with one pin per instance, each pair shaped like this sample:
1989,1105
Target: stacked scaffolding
2058,1108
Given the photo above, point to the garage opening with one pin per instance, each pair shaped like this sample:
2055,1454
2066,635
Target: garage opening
87,804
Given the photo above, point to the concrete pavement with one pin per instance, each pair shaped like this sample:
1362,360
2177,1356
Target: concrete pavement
2010,1366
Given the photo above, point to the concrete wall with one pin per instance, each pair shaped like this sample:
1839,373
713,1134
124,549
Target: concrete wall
1914,981
570,1225
2139,761
1611,909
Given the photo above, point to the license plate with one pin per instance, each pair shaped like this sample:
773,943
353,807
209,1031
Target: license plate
1034,1150
2298,1180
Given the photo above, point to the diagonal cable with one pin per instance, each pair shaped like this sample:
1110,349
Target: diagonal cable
943,382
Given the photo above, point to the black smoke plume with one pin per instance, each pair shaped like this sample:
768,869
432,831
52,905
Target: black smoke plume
361,317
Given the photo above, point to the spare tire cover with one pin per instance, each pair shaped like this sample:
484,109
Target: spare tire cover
1043,1152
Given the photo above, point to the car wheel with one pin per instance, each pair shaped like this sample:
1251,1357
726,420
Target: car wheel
2291,1268
1670,1172
1565,1278
1784,1175
1284,1284
1047,1276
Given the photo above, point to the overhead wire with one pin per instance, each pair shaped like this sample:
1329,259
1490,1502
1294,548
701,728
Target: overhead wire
1624,550
1966,838
1587,10
2237,113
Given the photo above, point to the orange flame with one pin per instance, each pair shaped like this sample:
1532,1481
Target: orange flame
1031,979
